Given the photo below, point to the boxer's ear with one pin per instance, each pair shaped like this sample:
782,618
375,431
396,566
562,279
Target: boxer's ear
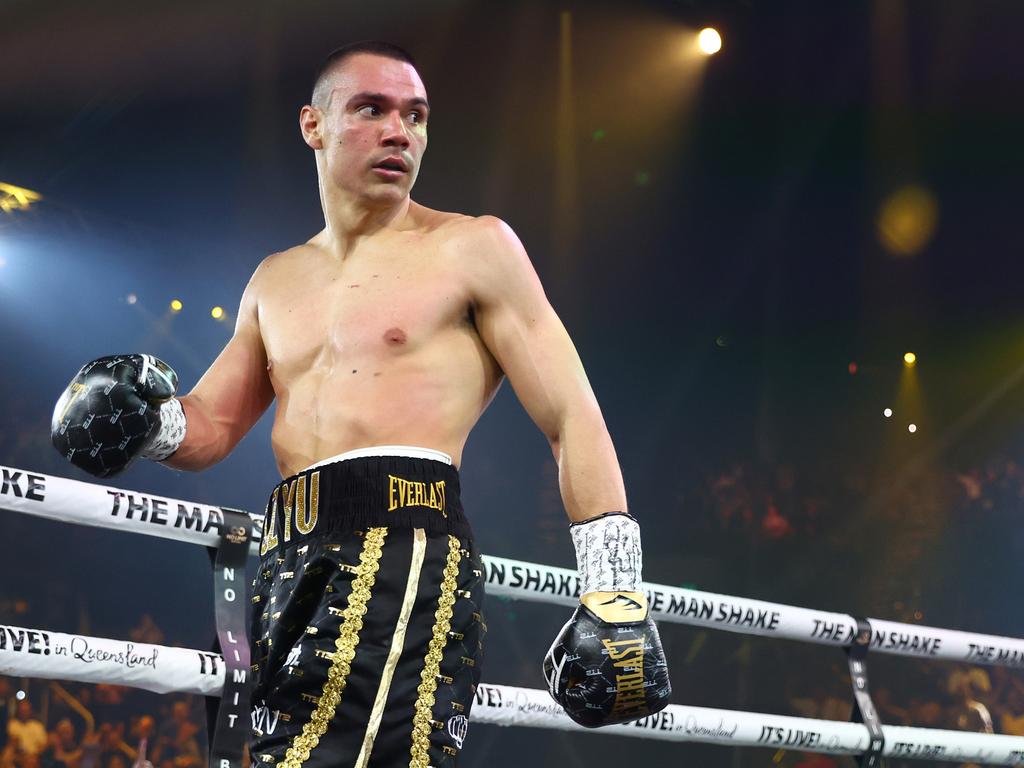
311,124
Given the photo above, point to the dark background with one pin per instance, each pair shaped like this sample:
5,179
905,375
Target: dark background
708,230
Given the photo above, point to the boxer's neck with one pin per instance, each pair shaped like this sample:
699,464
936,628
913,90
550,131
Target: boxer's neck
349,220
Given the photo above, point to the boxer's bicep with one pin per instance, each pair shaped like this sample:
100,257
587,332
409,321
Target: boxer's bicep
235,390
525,335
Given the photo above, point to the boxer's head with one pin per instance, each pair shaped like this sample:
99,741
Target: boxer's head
367,121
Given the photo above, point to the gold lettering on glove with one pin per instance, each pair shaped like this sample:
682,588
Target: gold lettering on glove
628,656
74,391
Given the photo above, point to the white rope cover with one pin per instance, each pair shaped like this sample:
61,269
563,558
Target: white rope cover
54,655
82,503
506,705
58,656
548,584
72,501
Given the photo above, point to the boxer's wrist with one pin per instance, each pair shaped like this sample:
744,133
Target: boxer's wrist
170,432
608,553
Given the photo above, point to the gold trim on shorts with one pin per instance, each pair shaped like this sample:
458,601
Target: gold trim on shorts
345,651
432,661
419,548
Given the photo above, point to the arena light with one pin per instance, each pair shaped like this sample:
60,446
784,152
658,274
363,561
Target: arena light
907,220
909,359
13,198
217,313
887,413
131,298
176,305
912,428
709,41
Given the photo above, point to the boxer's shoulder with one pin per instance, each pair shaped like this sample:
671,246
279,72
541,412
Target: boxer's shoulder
492,260
288,258
459,229
432,222
487,231
279,269
482,247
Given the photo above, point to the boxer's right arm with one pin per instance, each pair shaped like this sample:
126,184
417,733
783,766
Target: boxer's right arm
231,396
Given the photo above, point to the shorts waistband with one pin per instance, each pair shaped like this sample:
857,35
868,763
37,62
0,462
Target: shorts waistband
369,489
409,451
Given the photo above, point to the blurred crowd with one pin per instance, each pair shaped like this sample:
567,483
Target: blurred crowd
46,724
780,501
102,726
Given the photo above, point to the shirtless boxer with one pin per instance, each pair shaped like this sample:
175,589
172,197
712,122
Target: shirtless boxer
383,339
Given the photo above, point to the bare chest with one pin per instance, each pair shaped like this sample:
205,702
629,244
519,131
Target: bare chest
330,317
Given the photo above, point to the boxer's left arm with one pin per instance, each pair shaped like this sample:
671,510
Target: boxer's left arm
611,635
521,330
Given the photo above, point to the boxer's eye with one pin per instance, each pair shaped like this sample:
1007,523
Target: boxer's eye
369,110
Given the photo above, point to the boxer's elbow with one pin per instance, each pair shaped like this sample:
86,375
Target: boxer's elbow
208,440
580,423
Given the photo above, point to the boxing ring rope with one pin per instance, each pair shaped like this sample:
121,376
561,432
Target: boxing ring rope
54,655
81,503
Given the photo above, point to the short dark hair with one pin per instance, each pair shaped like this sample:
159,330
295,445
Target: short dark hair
373,47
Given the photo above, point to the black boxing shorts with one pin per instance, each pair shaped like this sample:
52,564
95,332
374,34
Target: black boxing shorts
367,631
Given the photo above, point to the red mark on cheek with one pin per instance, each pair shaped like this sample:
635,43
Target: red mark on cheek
395,336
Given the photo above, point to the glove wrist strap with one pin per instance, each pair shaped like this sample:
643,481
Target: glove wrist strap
608,553
171,432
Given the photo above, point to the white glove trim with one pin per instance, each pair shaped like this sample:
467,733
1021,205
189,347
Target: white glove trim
171,432
608,553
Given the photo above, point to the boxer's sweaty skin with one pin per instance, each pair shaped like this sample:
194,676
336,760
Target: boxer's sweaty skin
396,323
377,349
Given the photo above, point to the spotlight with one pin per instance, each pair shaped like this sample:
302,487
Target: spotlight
131,298
176,305
912,428
217,313
709,41
907,220
909,359
20,695
887,412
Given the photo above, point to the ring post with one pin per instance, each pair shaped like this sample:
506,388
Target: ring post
230,712
864,710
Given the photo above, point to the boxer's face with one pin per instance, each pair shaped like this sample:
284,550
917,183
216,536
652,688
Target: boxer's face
370,127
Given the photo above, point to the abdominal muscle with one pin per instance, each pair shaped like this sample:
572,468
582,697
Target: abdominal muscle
430,399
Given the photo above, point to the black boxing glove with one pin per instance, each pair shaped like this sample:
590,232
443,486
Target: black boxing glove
115,409
607,665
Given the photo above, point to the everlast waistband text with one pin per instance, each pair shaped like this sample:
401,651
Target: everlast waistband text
411,493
